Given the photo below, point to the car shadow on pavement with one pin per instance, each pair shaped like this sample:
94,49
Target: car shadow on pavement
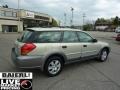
117,43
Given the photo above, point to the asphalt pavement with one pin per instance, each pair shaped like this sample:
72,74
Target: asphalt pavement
87,75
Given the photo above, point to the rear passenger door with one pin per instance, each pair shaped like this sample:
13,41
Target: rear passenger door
70,45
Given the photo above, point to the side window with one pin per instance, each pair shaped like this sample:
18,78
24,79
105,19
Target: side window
70,36
48,37
84,37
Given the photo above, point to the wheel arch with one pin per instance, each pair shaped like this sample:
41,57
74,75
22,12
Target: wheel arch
107,48
61,55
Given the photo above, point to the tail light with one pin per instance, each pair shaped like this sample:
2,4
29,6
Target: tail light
26,48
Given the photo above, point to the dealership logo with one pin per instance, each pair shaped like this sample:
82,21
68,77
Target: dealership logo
16,81
26,84
29,14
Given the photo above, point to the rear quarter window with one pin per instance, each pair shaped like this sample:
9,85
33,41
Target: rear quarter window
26,35
48,37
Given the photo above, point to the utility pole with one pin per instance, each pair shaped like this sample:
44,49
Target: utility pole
18,14
72,9
84,15
65,19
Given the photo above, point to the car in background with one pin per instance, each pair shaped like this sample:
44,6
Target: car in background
118,37
51,48
117,30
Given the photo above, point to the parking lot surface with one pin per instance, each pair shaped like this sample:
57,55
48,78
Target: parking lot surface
87,75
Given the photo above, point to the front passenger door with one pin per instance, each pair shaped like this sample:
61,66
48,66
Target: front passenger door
89,48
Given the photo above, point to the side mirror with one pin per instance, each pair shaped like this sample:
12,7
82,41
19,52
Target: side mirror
94,40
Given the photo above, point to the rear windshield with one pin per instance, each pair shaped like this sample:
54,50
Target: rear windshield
30,36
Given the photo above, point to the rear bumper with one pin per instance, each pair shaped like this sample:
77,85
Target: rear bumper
26,61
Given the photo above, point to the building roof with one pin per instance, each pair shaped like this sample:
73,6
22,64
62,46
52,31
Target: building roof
53,29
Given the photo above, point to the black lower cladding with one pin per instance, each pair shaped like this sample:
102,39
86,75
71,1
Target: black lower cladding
81,59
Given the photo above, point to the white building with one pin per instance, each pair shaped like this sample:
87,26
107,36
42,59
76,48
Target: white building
14,20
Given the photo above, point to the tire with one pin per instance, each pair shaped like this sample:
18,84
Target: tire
53,66
103,55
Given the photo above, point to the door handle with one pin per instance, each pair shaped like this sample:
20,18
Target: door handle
64,46
84,45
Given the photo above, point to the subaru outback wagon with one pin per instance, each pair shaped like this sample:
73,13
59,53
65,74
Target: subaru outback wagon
51,48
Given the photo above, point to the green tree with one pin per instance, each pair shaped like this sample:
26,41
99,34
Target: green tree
116,21
88,27
54,23
102,21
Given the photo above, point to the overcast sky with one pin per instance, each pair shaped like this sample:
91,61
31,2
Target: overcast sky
56,8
